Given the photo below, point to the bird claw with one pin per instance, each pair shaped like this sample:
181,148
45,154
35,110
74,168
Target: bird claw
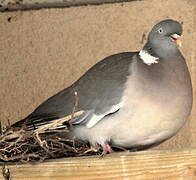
106,149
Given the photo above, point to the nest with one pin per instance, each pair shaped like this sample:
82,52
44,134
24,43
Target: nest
22,145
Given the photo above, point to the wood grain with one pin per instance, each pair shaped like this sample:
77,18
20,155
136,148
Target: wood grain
176,164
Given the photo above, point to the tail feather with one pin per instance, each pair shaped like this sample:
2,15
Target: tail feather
32,123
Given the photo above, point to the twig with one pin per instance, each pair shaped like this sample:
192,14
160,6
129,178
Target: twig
10,134
43,143
56,122
1,129
6,173
75,105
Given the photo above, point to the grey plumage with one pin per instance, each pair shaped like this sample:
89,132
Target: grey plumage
129,99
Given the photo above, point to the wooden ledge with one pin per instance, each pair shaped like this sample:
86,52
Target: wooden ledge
175,164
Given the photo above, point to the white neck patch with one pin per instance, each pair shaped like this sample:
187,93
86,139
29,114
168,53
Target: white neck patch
147,58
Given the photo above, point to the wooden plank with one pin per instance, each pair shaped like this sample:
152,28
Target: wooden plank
176,164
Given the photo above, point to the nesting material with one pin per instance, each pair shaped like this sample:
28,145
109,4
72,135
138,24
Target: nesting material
20,144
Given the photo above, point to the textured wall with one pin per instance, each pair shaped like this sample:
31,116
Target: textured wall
10,5
43,51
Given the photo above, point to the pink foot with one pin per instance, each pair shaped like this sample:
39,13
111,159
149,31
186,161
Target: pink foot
106,149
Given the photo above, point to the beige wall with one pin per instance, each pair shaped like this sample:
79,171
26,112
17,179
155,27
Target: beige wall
10,5
43,51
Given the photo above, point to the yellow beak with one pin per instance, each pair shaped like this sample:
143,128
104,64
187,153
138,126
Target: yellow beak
177,39
179,42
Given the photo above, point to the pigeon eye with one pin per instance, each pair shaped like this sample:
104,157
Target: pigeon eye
160,30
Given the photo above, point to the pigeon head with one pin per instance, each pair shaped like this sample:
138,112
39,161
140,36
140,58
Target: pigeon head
164,39
167,31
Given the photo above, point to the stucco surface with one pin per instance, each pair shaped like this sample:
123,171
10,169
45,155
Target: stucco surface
43,51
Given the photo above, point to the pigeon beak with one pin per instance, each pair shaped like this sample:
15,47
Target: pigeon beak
177,39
